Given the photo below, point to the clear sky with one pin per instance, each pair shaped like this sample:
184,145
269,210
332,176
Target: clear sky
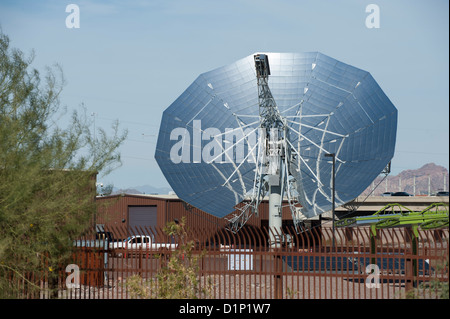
130,59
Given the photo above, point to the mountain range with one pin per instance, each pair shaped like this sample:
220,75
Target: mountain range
143,189
428,179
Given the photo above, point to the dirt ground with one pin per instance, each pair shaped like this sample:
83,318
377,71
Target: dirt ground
263,287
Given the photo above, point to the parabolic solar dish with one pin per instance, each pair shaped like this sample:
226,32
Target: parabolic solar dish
208,140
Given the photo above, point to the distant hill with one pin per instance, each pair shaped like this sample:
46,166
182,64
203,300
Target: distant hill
428,179
144,189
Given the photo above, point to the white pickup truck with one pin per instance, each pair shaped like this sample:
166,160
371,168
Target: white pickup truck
139,242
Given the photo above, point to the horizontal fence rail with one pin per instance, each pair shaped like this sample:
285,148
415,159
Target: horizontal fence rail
349,263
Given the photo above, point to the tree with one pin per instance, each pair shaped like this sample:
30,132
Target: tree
47,173
179,276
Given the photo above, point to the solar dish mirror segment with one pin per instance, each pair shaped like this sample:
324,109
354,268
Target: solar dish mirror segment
214,152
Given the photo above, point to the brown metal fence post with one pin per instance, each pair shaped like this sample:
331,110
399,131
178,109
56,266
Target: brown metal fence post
279,265
373,244
278,277
411,258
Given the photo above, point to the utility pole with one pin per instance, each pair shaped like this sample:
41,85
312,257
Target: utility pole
93,114
333,185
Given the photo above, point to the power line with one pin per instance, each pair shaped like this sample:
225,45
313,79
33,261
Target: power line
126,121
138,158
430,153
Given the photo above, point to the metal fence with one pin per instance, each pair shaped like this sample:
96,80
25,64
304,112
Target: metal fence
317,264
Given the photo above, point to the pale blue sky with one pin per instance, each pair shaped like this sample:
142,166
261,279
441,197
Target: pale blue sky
130,59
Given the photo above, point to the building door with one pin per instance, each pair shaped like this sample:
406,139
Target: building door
141,219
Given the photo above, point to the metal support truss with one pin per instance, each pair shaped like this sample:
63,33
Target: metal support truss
272,172
434,216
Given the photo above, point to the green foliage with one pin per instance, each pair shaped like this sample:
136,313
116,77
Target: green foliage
178,278
47,173
434,288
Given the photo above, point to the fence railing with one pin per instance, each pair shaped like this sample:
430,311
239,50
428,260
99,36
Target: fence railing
317,264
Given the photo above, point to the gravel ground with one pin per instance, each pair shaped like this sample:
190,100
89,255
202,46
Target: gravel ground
260,287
